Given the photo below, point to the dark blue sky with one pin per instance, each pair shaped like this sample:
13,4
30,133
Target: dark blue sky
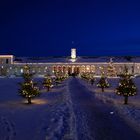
48,27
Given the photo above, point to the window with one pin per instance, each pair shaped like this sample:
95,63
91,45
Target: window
21,70
7,61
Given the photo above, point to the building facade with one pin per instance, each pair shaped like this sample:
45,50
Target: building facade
12,66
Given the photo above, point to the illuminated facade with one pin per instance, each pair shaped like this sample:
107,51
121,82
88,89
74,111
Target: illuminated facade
10,66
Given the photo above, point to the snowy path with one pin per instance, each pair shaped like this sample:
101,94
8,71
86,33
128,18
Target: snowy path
49,117
93,118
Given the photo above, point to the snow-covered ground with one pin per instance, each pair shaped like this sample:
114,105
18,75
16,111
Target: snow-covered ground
50,116
131,112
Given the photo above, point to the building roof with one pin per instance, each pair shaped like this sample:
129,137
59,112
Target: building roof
84,59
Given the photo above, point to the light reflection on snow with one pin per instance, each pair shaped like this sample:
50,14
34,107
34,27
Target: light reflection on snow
24,103
105,90
38,101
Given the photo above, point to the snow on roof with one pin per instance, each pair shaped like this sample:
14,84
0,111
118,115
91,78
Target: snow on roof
83,59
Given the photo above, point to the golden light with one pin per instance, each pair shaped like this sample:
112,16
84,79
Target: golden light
73,60
39,101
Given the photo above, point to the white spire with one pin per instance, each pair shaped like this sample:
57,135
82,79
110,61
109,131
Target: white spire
73,53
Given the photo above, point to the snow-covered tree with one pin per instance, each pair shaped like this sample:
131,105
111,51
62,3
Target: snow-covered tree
126,86
28,88
103,83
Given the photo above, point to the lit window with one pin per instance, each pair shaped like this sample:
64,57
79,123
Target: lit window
21,70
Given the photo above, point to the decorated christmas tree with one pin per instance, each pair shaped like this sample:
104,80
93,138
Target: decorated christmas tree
86,76
126,86
103,83
111,71
47,83
59,77
28,88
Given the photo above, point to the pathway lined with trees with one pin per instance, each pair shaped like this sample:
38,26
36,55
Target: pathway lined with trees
93,117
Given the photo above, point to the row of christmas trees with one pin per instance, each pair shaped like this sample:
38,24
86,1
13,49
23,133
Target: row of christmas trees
125,88
28,88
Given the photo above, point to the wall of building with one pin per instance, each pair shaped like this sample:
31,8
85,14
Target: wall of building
78,68
6,59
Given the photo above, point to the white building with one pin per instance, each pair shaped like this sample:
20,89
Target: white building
10,65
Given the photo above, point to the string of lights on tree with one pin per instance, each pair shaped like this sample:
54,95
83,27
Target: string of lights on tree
47,83
126,86
103,83
28,88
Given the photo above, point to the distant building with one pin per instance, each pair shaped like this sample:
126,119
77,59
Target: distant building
10,65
